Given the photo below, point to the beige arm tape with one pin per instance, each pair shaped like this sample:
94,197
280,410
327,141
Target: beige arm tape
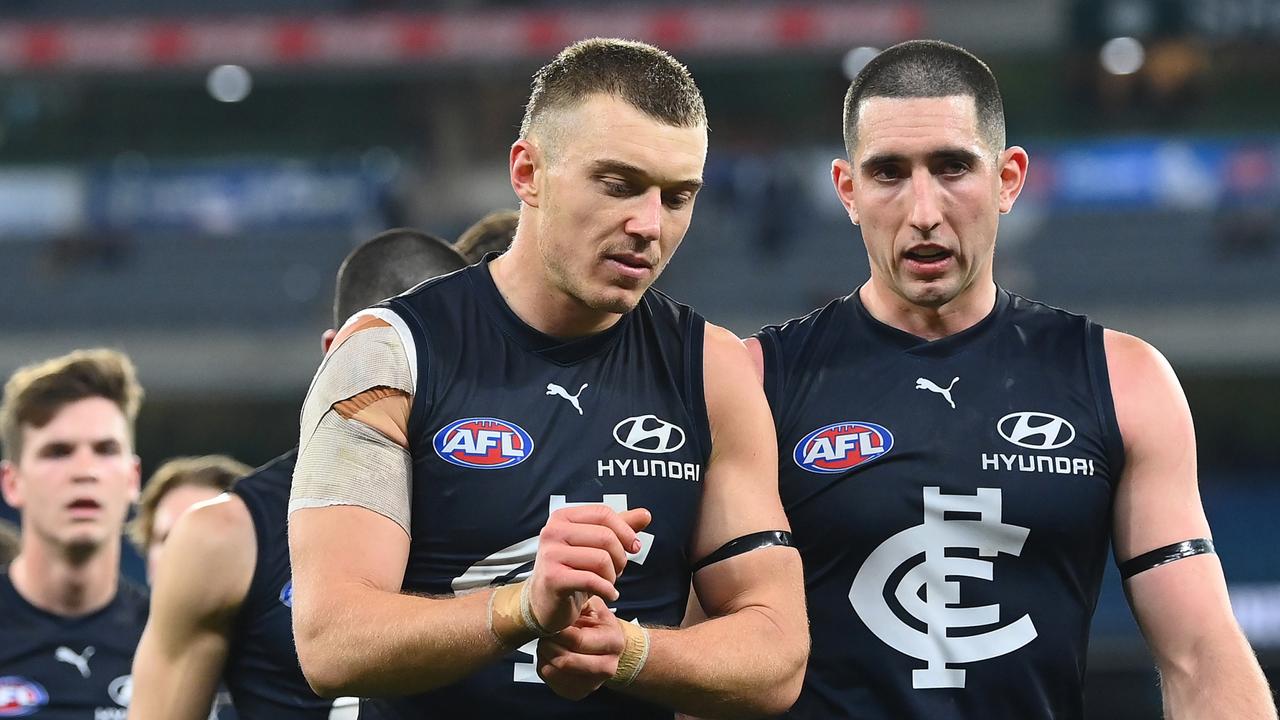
511,618
342,461
633,657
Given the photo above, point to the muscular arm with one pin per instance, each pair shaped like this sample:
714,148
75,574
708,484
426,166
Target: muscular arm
1207,668
356,632
748,658
201,583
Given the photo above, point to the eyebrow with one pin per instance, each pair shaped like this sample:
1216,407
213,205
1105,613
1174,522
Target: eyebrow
633,171
948,153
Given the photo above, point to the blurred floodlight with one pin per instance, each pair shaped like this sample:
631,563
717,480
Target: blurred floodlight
229,83
856,59
1122,56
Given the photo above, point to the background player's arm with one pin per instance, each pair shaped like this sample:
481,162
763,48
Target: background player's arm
1207,668
201,582
357,634
749,657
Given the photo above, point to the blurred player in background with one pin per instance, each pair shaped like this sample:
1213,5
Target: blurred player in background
958,457
173,488
222,602
68,620
491,233
480,456
10,542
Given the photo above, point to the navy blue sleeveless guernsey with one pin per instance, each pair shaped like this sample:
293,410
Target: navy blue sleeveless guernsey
68,668
508,425
951,502
262,670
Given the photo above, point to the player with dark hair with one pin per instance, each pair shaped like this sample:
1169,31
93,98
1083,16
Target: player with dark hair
70,622
502,469
223,598
174,487
956,457
491,233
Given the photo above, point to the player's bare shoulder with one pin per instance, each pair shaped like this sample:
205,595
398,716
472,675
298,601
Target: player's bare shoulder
214,541
1147,395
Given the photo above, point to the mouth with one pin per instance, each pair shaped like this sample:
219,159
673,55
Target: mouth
84,507
928,259
630,265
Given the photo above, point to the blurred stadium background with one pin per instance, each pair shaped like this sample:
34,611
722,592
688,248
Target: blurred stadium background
179,179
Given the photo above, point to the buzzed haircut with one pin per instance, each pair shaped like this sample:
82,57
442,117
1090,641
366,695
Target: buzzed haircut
643,76
218,472
927,69
491,233
388,264
36,393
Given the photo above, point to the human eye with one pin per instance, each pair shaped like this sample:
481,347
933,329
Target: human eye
676,201
109,448
885,173
954,167
615,187
55,450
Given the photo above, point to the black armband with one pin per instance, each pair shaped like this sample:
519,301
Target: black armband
745,544
1165,555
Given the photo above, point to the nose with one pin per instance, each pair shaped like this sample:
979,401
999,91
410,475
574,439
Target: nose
645,219
84,468
926,211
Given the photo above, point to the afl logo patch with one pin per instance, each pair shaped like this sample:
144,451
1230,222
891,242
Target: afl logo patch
483,443
842,446
286,594
20,697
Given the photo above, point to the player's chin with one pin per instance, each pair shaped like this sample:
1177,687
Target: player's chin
932,293
619,298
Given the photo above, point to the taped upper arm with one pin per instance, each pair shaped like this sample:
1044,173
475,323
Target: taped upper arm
354,438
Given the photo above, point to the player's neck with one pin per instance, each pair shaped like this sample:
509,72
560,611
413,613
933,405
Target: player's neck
539,304
929,323
64,583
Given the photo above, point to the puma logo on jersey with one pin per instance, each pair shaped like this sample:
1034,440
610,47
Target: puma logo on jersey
71,657
554,389
931,386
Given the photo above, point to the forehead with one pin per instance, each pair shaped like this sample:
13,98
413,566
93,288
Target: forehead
86,420
607,127
907,126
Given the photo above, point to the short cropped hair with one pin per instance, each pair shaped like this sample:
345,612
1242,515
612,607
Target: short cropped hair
212,471
926,69
491,233
36,393
10,542
643,76
387,265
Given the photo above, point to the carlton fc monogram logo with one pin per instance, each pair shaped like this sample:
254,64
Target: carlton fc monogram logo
935,645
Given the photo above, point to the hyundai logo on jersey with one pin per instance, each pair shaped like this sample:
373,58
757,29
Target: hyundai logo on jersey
841,446
20,697
1036,430
648,434
483,443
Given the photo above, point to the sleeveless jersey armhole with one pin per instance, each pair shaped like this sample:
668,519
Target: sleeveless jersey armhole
771,354
424,392
695,327
1096,356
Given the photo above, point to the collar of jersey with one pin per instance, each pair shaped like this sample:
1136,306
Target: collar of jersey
557,350
915,345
